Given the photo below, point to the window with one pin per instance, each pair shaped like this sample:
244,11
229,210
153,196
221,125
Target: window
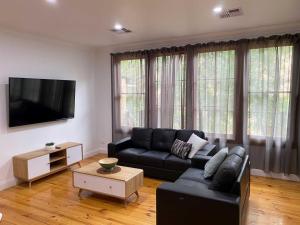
269,91
170,94
132,93
214,92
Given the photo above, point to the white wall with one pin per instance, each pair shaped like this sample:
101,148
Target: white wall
29,56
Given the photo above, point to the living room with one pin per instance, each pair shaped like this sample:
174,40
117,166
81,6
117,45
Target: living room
149,112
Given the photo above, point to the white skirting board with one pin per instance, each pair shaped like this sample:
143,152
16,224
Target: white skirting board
1,215
261,173
87,154
7,183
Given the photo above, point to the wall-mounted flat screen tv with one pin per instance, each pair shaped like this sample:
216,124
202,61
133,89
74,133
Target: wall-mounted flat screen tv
40,100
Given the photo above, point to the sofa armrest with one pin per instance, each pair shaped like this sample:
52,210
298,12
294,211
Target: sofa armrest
115,147
179,204
199,161
208,150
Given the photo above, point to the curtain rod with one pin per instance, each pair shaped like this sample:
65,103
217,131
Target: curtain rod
293,38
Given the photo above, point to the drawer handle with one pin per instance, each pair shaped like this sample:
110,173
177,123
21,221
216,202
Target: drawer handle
84,181
110,187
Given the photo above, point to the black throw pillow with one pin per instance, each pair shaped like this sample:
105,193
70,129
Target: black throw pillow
181,149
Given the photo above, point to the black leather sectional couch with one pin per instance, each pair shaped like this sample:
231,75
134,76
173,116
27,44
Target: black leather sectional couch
191,199
149,149
194,200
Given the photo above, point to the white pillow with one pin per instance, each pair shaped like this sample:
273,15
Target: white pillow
197,144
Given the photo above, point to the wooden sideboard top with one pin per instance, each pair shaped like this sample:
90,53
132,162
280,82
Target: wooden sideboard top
43,151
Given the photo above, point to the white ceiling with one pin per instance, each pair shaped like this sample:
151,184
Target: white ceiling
89,21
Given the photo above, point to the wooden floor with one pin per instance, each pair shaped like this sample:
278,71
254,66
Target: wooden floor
54,201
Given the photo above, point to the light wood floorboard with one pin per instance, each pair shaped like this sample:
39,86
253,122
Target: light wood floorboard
53,200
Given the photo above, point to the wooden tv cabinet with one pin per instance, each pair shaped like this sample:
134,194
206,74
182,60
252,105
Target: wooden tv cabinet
37,164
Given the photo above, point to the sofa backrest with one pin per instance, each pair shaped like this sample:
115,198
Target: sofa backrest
163,139
160,139
230,171
184,135
142,137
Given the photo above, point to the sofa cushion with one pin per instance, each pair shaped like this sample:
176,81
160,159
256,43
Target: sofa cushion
181,149
153,158
184,135
208,149
162,139
175,163
213,164
141,137
238,150
191,183
130,155
227,173
195,175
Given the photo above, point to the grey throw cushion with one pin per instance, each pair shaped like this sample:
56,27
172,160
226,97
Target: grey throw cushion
213,164
181,149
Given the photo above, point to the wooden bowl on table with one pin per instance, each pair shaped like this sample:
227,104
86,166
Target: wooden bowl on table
108,163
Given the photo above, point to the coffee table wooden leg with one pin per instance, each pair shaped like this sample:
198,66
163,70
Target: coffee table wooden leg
79,193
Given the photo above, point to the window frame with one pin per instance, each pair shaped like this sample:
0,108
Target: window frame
260,139
232,136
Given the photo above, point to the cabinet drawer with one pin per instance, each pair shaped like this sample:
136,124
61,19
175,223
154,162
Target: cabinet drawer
74,154
99,184
38,166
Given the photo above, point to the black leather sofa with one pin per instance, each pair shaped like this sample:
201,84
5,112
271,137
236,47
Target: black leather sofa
149,149
222,200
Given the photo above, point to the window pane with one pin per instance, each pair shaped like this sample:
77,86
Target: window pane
214,94
132,99
269,91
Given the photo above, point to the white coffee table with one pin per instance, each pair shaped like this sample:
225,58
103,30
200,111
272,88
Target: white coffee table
121,183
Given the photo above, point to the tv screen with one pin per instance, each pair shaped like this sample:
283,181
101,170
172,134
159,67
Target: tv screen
40,100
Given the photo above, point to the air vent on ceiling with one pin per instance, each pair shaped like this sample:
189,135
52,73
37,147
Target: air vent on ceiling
121,31
227,13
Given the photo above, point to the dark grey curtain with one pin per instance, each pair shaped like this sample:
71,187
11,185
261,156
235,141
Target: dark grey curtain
177,79
167,90
291,158
129,88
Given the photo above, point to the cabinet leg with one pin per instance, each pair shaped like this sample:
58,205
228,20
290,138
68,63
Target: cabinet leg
79,193
29,184
137,194
79,164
